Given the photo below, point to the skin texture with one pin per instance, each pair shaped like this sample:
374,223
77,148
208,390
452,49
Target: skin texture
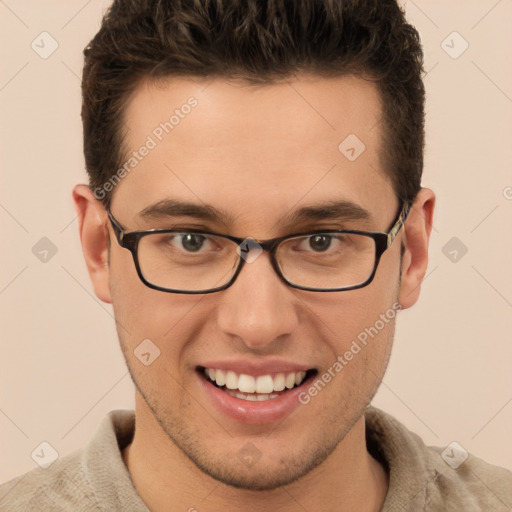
257,153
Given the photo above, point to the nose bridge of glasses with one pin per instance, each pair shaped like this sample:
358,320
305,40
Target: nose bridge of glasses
248,245
250,249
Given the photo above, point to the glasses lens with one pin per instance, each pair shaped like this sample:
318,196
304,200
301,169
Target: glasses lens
187,261
327,260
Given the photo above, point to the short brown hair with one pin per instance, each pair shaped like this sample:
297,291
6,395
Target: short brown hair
260,41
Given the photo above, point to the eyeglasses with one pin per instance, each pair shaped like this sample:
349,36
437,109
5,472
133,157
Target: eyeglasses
193,261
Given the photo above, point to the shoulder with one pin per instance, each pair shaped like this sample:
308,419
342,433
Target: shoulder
463,478
434,478
62,486
89,479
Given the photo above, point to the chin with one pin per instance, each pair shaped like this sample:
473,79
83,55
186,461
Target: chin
263,475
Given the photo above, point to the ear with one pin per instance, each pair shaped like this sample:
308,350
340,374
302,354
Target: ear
417,229
94,237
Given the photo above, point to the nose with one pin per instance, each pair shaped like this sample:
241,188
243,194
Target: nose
258,308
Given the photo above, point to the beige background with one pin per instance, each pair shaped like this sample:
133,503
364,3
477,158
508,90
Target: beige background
61,369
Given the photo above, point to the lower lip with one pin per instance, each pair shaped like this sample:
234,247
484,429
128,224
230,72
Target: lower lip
256,413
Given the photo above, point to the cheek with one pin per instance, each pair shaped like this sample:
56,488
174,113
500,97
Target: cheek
151,321
356,312
363,351
358,327
143,311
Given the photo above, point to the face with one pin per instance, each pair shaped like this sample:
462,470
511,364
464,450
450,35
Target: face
255,156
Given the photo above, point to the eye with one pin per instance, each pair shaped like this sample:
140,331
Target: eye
191,242
320,242
184,243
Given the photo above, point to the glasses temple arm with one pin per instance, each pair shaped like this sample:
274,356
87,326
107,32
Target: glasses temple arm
398,224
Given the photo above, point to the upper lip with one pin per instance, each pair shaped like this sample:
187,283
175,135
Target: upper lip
269,366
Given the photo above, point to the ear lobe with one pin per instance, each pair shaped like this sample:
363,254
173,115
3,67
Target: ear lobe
94,237
417,229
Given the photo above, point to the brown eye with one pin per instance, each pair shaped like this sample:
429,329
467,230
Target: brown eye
320,243
192,242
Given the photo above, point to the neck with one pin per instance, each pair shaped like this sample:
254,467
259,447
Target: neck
349,479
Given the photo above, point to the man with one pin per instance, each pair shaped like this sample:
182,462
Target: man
255,217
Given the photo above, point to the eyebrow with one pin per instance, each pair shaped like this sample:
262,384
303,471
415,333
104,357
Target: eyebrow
175,208
329,210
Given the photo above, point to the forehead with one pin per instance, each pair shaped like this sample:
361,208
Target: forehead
243,146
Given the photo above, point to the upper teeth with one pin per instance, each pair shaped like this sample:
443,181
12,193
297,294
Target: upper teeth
249,384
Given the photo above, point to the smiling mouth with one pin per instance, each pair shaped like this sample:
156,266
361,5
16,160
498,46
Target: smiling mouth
255,388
